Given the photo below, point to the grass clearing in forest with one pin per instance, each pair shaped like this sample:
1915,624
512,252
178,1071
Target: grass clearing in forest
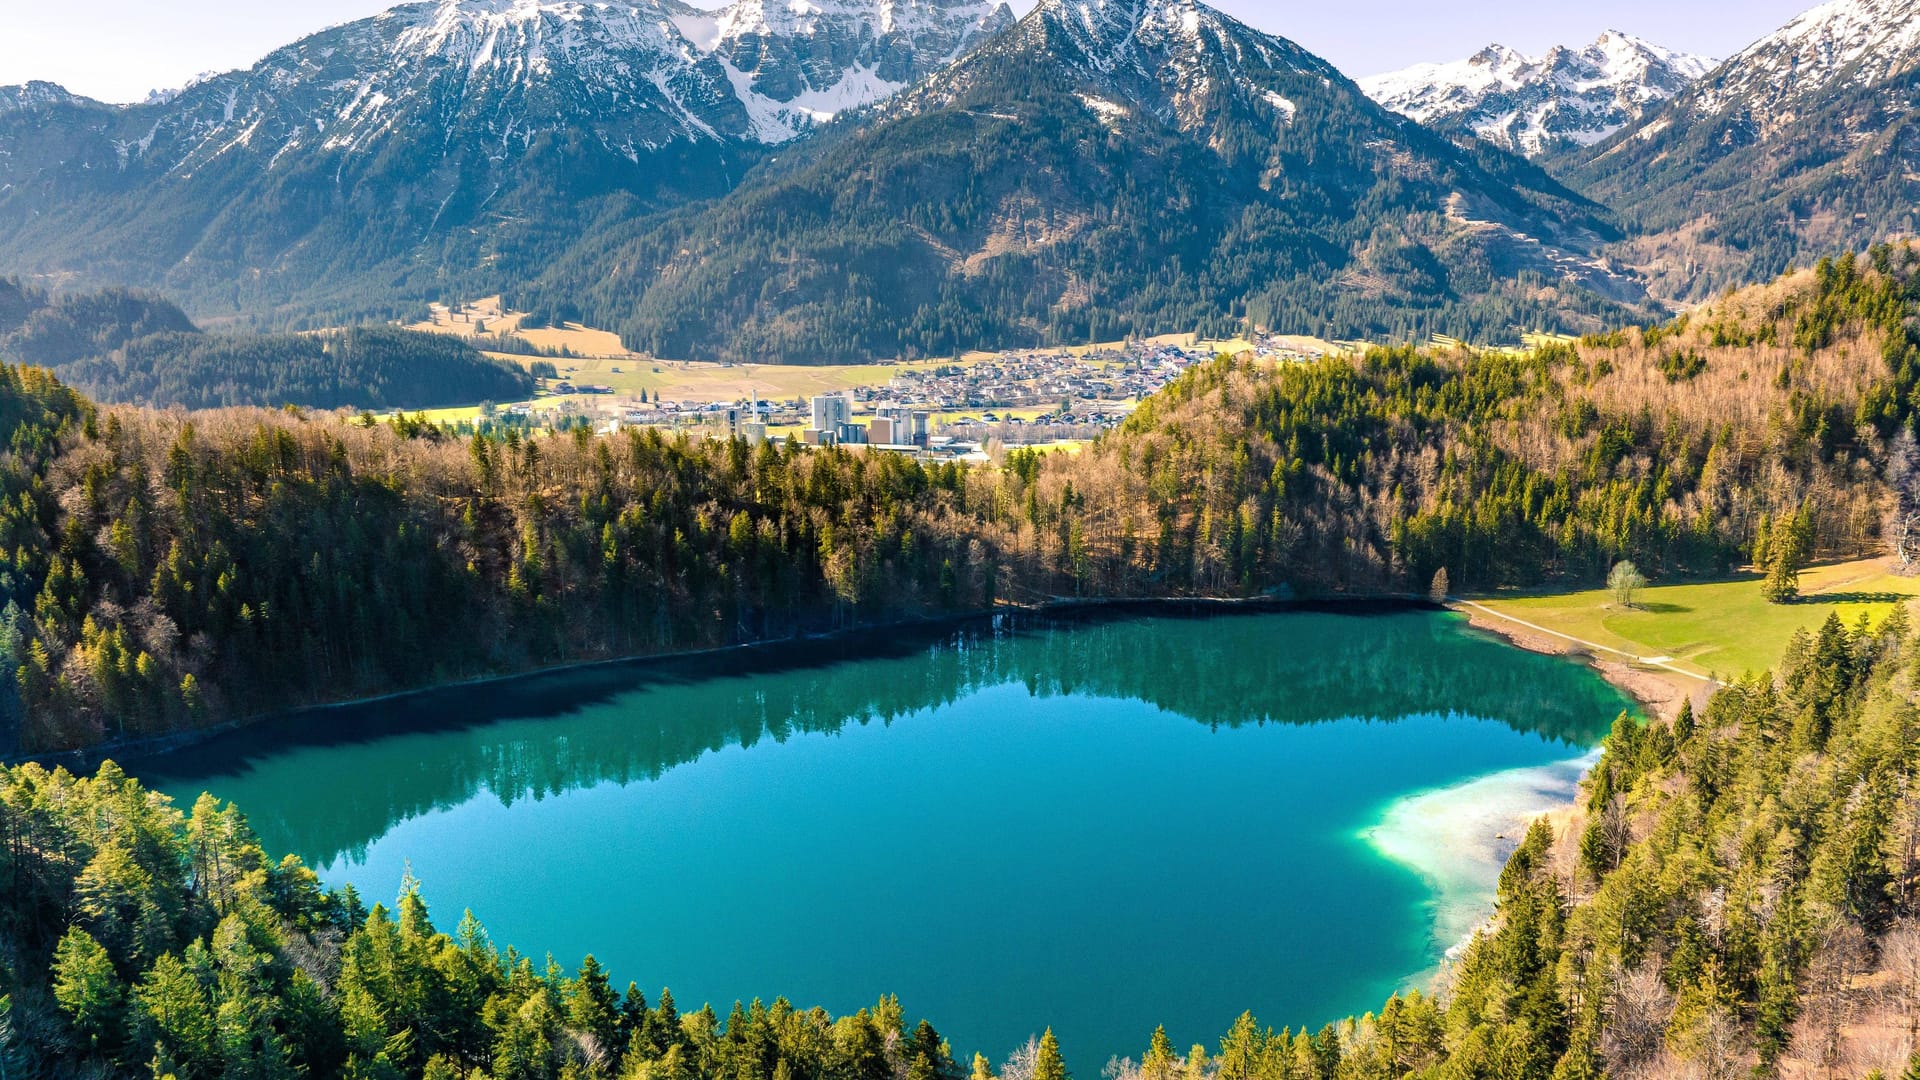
1720,628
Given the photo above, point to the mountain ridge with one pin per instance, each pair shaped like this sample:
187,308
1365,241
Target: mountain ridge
1532,104
1806,142
1100,169
436,143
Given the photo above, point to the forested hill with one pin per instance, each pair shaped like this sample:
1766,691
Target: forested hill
125,346
1738,895
163,571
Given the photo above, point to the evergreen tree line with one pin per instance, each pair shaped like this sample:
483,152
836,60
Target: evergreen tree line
161,571
124,346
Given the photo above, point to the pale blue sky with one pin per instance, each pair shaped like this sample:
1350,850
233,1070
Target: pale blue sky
120,49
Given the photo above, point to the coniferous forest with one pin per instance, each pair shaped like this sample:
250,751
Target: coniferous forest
1738,884
164,571
121,345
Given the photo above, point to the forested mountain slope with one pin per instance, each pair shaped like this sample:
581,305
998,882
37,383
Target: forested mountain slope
1807,141
1102,169
122,346
167,570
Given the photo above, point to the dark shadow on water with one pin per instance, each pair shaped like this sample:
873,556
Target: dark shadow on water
338,778
566,690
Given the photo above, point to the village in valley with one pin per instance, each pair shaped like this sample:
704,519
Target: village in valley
964,407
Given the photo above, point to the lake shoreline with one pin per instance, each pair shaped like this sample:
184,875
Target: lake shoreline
90,757
1060,760
1453,825
1656,692
1458,839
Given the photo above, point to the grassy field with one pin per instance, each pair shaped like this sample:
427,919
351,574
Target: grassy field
693,381
1722,628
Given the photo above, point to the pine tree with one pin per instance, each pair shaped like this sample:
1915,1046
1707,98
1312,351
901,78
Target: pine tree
1047,1064
1789,545
1159,1062
88,989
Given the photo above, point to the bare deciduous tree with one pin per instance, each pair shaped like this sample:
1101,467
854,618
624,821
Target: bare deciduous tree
1638,1009
1903,481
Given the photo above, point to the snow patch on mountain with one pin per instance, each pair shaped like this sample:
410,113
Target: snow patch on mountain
1845,42
1530,104
1180,59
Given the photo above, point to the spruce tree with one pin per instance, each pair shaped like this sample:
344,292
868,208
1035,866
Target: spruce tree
89,991
1047,1064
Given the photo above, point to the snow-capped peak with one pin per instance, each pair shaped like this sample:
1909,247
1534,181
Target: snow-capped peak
1844,42
1530,104
1180,59
632,75
36,94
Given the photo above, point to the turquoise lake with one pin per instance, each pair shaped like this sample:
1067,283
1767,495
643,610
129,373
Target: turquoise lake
1096,824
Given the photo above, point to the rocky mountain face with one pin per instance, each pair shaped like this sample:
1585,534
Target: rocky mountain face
796,64
1792,72
1533,104
442,139
1106,166
1805,143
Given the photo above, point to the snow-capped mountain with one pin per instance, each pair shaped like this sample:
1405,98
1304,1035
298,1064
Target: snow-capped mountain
1532,104
1106,167
439,137
1805,143
35,95
1179,59
1851,44
635,73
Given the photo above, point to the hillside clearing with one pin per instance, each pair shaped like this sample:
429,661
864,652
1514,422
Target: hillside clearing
1716,629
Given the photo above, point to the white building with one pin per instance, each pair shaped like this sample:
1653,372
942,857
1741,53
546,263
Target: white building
831,410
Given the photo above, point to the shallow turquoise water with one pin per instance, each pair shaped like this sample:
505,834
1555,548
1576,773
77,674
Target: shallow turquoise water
1098,825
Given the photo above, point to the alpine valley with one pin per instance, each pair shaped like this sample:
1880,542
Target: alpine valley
1103,169
360,490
